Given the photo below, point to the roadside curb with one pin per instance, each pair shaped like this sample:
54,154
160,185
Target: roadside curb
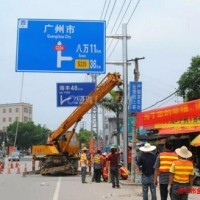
129,183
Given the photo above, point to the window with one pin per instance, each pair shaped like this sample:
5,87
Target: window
16,119
25,119
10,119
4,119
4,110
10,110
25,109
16,109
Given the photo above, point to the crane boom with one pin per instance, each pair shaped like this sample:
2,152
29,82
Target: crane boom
106,85
60,156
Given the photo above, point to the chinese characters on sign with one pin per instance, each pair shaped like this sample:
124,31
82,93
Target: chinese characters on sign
70,46
73,94
135,99
173,113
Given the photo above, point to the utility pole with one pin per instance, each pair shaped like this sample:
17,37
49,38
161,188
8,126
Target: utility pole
124,64
136,79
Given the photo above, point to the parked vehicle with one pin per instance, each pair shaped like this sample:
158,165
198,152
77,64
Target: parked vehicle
14,156
2,159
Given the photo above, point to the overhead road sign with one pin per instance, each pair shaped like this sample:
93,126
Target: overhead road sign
73,94
60,46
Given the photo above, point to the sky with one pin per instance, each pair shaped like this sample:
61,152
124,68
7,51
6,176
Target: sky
165,32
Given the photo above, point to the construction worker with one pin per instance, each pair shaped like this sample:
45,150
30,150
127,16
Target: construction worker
83,164
129,158
146,162
97,166
33,162
113,158
181,175
89,163
162,166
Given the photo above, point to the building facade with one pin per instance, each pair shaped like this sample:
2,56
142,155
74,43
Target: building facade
12,112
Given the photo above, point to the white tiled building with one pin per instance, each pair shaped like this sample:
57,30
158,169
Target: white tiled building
12,112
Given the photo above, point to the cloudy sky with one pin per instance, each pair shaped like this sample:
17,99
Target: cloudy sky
165,32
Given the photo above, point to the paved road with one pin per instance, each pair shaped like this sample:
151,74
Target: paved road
14,186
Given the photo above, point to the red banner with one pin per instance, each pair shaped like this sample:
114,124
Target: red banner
167,114
91,145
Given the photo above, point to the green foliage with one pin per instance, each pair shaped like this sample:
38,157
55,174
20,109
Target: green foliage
189,82
28,134
84,136
110,103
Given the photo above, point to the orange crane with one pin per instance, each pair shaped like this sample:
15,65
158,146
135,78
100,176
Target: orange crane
60,155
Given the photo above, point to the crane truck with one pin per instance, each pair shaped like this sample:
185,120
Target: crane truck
60,154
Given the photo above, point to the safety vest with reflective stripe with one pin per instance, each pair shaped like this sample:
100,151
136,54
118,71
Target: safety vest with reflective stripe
166,159
83,158
182,170
97,159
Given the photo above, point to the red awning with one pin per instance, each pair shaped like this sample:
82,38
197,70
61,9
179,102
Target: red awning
178,130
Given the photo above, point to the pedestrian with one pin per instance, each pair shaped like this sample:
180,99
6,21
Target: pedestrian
146,162
83,164
89,163
181,174
113,159
97,166
129,158
162,166
33,162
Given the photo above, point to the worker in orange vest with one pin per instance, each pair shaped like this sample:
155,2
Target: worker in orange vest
181,174
162,166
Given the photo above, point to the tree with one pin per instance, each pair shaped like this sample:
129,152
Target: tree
112,102
28,134
189,82
84,136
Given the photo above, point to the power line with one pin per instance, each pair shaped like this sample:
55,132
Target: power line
161,100
118,16
118,28
115,25
103,9
111,13
107,9
133,11
122,20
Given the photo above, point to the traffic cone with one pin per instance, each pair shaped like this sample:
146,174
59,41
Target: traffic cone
11,165
25,168
1,168
9,171
18,170
16,164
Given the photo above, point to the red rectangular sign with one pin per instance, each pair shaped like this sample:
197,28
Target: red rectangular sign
167,114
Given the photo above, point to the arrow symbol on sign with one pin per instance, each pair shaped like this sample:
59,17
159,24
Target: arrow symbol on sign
61,58
62,100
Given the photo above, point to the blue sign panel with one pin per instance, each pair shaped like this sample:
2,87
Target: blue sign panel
135,99
73,94
60,46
